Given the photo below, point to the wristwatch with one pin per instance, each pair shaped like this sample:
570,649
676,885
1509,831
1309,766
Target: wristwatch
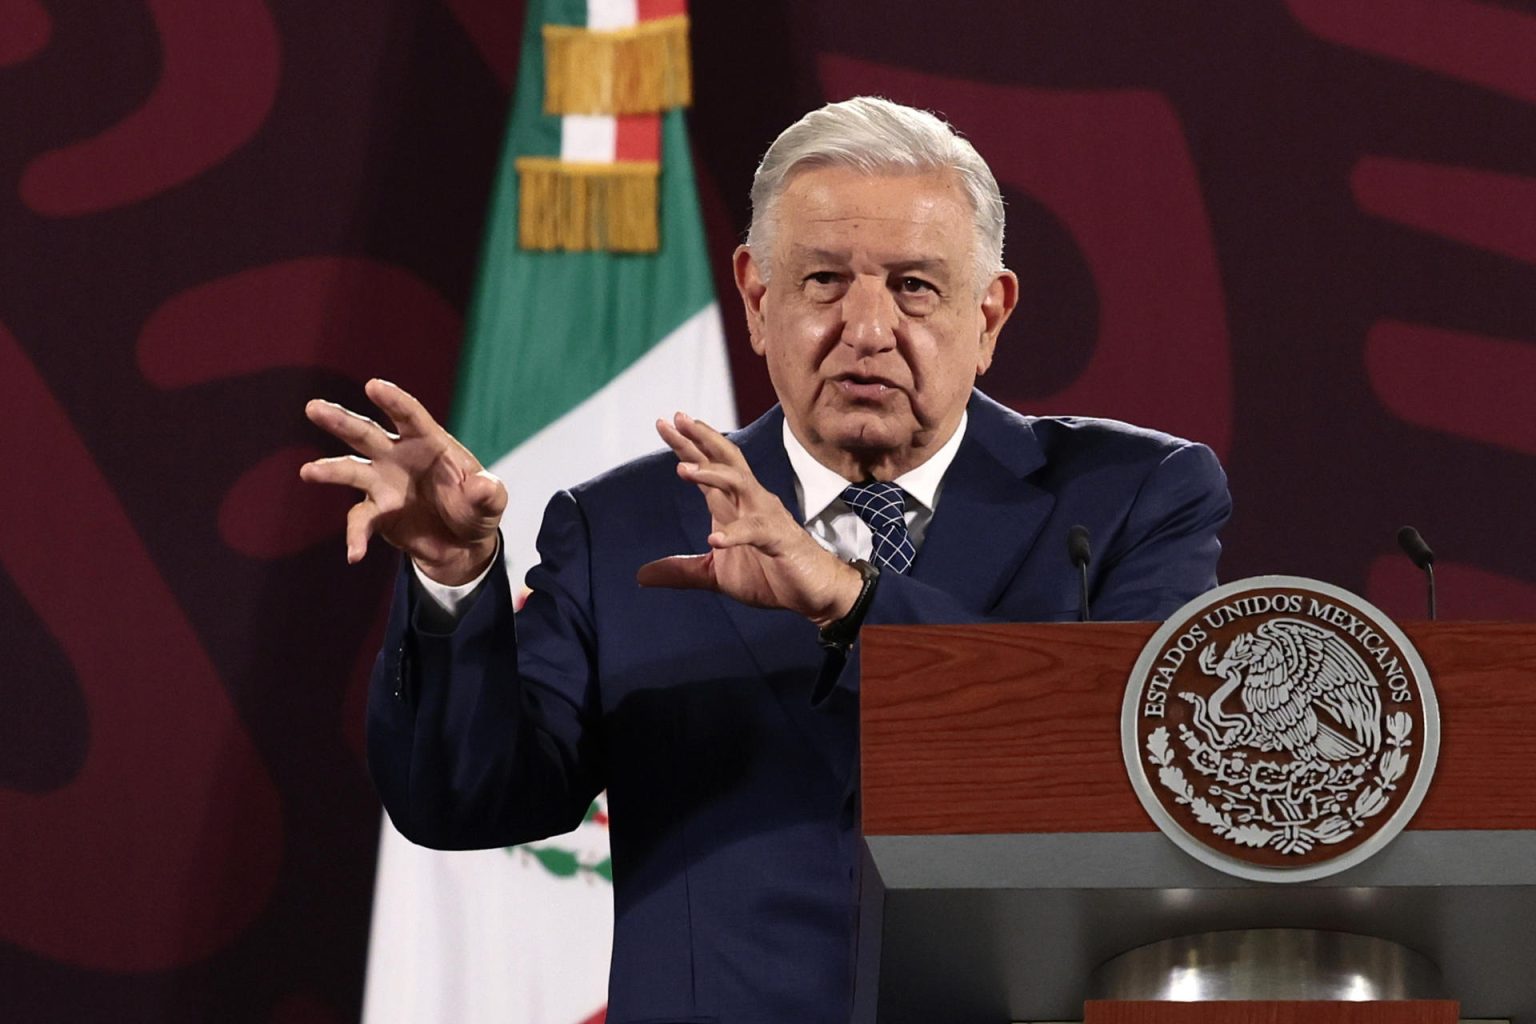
840,635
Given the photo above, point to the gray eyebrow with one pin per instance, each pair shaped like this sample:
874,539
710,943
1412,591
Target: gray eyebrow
927,263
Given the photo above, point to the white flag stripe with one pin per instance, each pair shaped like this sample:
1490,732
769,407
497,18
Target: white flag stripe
606,15
686,371
454,936
589,138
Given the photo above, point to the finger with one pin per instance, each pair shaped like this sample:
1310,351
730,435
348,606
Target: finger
749,531
469,492
408,415
730,490
361,520
715,445
683,448
721,478
680,572
486,494
357,430
347,470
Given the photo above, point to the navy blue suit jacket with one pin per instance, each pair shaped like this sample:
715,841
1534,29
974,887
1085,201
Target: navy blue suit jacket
725,736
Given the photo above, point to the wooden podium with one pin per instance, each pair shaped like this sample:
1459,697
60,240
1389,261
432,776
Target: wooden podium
1007,856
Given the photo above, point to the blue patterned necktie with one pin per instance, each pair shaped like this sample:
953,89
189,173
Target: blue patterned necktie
883,508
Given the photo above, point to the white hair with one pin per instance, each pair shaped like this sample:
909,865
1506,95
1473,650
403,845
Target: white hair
876,136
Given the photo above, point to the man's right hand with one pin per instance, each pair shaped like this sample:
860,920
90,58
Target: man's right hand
424,492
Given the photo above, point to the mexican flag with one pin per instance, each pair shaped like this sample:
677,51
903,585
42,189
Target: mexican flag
594,315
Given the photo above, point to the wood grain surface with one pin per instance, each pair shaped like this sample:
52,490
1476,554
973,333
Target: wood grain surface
1016,727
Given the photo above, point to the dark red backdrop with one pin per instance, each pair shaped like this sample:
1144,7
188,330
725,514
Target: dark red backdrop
1303,231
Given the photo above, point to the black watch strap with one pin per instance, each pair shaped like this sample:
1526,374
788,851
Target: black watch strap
840,635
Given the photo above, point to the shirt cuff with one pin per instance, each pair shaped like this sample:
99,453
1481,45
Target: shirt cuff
452,599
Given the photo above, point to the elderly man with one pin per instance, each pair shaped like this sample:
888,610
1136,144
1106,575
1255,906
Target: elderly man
717,703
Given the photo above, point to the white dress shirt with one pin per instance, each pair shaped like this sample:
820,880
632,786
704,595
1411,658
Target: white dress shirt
827,518
835,525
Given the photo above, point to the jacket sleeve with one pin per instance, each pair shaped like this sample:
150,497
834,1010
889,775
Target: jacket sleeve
481,732
1163,554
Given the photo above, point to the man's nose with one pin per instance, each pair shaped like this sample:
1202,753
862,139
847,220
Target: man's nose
869,316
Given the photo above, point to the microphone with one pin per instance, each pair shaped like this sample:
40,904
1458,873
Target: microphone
1414,547
1081,554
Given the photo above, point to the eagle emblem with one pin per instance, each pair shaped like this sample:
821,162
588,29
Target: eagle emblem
1280,726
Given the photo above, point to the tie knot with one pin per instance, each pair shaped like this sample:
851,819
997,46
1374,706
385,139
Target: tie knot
883,508
876,502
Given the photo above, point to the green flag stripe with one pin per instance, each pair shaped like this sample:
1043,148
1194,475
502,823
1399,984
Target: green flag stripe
564,12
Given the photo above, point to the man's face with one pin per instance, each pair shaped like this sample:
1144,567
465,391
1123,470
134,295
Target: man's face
872,321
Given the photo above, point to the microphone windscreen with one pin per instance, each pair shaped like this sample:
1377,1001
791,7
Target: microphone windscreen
1078,548
1414,547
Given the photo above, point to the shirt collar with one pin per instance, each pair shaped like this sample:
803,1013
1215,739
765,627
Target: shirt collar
819,486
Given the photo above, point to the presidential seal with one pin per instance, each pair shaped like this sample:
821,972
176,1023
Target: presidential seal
1280,729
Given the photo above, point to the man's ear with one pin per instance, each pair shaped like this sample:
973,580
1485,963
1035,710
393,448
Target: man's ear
750,283
997,303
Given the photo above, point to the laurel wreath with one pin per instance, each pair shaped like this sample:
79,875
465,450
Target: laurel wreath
563,863
1292,839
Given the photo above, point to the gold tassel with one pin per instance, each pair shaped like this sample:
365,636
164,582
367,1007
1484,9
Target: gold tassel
573,206
638,70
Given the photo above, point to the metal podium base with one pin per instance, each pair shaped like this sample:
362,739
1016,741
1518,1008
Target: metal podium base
1268,964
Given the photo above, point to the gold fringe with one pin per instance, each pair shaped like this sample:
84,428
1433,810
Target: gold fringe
638,70
574,206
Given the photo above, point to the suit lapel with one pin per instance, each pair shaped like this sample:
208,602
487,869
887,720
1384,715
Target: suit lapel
763,445
989,512
780,645
769,636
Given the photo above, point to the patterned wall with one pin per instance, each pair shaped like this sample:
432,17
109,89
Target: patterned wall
1302,231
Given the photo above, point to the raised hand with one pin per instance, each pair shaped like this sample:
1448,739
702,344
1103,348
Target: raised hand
424,492
759,554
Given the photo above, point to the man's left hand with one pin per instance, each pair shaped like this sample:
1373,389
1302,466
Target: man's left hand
758,554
